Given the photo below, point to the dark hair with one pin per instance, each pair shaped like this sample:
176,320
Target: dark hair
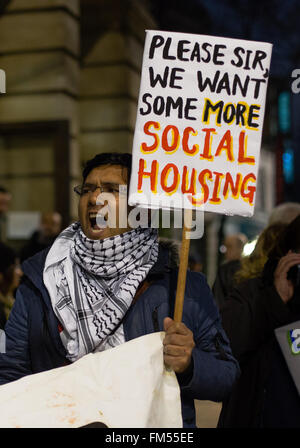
289,239
108,158
3,190
7,257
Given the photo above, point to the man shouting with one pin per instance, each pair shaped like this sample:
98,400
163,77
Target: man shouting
100,285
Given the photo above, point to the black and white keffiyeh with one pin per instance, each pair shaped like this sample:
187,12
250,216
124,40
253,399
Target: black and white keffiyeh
92,283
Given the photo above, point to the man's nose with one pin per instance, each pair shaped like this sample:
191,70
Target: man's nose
93,197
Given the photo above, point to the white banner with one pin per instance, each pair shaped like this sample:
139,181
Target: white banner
124,387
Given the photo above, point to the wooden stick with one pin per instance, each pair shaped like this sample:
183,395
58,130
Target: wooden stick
183,265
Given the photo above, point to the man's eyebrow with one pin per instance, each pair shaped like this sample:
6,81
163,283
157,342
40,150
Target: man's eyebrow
110,183
102,183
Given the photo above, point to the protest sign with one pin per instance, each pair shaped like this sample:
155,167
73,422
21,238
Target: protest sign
199,123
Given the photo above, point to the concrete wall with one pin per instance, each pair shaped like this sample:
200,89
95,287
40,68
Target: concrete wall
52,74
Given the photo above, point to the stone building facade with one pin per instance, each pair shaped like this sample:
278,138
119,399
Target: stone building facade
72,79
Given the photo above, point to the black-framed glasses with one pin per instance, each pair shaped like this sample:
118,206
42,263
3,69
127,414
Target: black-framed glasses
108,187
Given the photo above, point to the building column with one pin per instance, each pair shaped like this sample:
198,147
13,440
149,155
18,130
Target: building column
110,74
39,52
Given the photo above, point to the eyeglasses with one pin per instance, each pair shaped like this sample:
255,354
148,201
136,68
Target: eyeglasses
85,189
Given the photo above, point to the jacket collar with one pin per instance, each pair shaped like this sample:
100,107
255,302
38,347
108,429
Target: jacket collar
33,269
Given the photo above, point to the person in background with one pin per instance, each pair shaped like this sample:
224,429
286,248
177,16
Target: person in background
253,265
265,394
44,237
5,198
10,276
233,249
233,246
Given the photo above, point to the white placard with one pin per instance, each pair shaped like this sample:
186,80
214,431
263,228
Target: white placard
199,123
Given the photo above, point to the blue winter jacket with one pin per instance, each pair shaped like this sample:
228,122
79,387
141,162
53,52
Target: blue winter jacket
33,342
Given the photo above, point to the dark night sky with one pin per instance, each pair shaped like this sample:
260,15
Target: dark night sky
274,21
271,21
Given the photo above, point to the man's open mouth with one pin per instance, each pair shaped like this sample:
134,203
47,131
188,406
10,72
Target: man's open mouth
97,221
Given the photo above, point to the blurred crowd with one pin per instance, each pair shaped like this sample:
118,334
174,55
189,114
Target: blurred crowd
10,259
257,295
